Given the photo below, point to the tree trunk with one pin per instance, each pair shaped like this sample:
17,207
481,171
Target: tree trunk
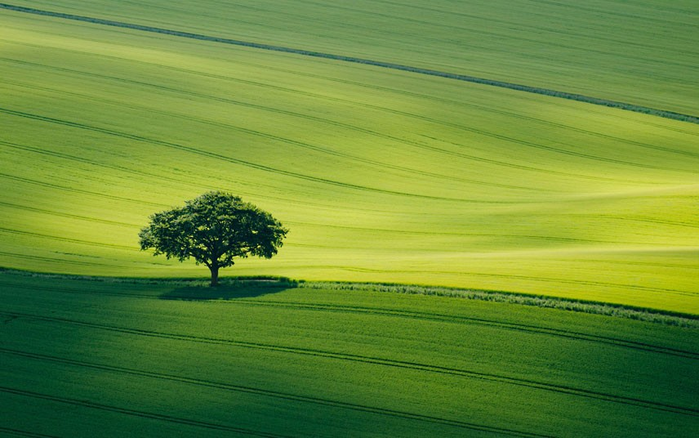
214,275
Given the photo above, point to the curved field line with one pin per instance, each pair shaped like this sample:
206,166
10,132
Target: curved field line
605,11
463,234
621,217
53,154
401,113
415,144
269,393
553,42
417,94
590,35
296,143
52,259
81,191
276,138
617,342
408,314
561,389
149,176
136,413
67,215
364,104
236,161
69,240
419,116
539,279
473,130
465,78
17,432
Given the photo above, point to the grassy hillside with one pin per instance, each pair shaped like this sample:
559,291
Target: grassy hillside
643,52
380,175
268,359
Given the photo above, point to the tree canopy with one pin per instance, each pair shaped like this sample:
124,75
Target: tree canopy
213,229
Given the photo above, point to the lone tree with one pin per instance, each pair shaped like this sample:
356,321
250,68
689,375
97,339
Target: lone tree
213,229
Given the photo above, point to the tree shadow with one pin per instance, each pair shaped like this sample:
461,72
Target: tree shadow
229,291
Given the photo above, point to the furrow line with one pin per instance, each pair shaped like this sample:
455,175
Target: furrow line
655,19
479,321
268,393
81,191
448,124
67,215
52,260
617,342
350,59
447,233
590,35
376,107
53,154
544,279
553,42
416,144
18,432
481,108
69,240
325,150
296,143
137,413
236,161
561,389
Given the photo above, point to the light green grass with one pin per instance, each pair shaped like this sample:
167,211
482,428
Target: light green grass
641,52
381,176
148,359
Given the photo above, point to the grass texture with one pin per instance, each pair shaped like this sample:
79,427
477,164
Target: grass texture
640,52
147,358
382,176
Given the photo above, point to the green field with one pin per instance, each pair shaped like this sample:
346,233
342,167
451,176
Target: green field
333,117
272,360
381,175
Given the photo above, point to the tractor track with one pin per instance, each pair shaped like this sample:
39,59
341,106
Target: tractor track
24,433
218,156
350,59
408,314
414,366
268,393
137,413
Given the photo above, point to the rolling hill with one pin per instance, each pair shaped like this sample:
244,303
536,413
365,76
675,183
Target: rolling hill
533,147
381,175
138,358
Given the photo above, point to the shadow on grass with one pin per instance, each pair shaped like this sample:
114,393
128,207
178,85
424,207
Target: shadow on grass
229,291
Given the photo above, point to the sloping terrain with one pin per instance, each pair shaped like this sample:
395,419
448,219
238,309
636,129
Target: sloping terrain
381,175
401,142
642,52
270,360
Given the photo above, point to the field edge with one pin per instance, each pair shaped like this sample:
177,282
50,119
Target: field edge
657,316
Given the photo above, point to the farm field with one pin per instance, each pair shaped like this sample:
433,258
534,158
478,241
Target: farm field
268,359
527,151
381,175
641,52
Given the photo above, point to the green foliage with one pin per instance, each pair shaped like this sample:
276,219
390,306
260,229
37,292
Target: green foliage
384,176
213,229
177,359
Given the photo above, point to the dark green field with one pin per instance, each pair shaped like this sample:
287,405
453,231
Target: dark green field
110,358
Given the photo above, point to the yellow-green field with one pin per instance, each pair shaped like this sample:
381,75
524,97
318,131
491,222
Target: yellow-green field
436,144
381,175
